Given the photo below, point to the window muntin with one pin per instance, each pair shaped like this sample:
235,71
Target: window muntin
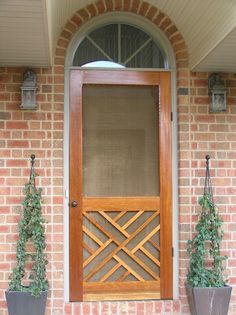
120,43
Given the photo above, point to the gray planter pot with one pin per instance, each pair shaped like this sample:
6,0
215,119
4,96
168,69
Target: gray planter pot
209,301
22,303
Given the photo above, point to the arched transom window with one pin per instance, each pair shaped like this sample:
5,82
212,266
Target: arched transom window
122,44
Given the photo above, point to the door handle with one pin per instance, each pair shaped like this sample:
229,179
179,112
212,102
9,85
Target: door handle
74,204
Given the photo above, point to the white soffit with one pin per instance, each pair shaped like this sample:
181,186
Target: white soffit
204,25
29,30
222,58
24,33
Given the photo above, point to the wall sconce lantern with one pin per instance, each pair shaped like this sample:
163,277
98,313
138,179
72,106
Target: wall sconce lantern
217,91
28,90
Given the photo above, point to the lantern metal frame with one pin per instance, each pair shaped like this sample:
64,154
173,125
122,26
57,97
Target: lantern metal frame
28,90
217,92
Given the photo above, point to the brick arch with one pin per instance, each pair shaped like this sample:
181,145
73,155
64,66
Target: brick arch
138,7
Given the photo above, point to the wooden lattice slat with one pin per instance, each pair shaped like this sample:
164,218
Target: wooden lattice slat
154,244
124,276
133,219
156,261
92,236
120,246
88,248
129,269
95,254
153,232
110,272
113,222
119,215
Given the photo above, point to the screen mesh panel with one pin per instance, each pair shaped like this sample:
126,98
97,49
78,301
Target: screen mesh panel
120,141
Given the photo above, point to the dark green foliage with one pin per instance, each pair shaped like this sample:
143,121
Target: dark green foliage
31,230
206,263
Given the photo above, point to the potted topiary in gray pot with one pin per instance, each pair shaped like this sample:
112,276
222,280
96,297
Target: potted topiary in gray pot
207,288
28,286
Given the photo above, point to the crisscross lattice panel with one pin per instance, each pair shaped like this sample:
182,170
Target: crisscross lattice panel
121,246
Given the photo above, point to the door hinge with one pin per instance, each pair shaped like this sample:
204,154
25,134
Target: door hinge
171,116
173,252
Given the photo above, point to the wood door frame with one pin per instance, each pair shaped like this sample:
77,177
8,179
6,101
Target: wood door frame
120,77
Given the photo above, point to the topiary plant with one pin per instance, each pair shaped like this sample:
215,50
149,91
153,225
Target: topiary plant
31,231
206,262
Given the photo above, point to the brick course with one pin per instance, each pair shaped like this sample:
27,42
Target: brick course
199,133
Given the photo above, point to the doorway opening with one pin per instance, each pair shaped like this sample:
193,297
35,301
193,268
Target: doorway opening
130,147
120,187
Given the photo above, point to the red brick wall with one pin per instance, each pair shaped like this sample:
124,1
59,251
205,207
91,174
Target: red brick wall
24,133
41,132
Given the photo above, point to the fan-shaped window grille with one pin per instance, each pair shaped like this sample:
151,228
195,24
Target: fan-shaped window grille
122,44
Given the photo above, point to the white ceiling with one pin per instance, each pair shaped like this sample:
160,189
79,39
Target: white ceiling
24,39
29,30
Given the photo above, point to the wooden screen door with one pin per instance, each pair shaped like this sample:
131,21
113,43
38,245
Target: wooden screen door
120,185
